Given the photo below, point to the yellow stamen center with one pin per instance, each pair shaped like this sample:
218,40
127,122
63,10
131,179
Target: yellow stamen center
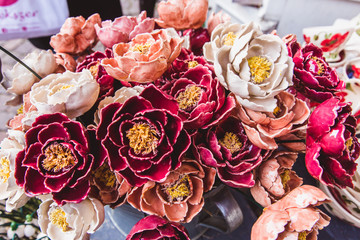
277,110
57,157
349,143
94,69
105,175
58,218
302,235
58,89
319,64
4,169
141,48
192,64
20,110
143,139
179,190
231,142
189,98
230,39
259,68
285,177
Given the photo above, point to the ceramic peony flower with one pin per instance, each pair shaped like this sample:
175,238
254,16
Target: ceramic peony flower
197,37
68,92
123,29
76,35
144,138
154,227
216,19
293,217
313,77
14,195
179,197
182,14
263,128
73,221
275,179
109,187
252,65
58,158
145,58
331,145
42,62
227,148
65,62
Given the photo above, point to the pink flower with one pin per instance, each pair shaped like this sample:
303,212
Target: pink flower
216,19
123,29
145,58
331,145
182,14
58,158
153,227
76,35
65,62
144,137
293,217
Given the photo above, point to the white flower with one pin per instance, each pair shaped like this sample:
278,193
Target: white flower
254,66
42,62
120,96
19,232
68,92
72,220
9,190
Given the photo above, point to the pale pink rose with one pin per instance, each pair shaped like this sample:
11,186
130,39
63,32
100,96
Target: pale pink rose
65,62
145,58
123,29
216,19
274,178
76,35
182,14
293,217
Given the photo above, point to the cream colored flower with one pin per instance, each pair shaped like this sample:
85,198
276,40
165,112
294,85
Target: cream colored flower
10,146
68,92
72,220
42,62
252,65
120,96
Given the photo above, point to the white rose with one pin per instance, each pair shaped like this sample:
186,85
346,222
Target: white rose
68,92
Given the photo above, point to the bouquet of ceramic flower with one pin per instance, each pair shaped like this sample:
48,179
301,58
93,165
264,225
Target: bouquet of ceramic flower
165,110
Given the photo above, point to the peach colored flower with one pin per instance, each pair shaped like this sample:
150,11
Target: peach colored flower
263,128
179,197
293,217
123,29
274,178
182,14
76,35
145,58
65,62
216,19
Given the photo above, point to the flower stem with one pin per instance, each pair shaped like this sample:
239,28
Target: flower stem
21,62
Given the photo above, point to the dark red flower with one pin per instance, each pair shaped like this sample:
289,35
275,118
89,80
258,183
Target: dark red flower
154,227
227,148
332,147
198,37
144,137
332,43
313,77
58,158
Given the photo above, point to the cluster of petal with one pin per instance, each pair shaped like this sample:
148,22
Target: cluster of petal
275,179
42,62
9,147
145,58
79,219
235,161
198,37
293,216
123,29
38,168
68,92
154,227
76,35
65,62
182,14
137,156
263,128
331,145
216,19
154,198
233,47
313,77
